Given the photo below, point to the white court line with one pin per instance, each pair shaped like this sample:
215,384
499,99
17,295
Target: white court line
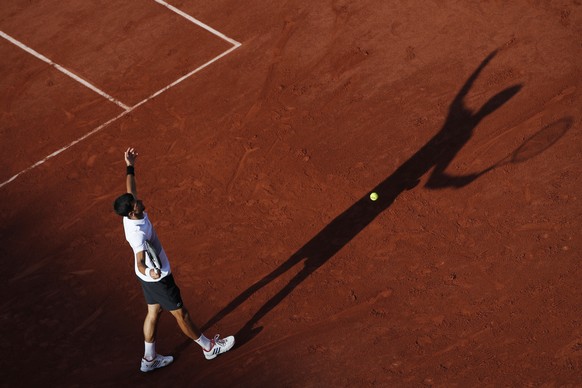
62,69
186,76
67,147
127,109
198,22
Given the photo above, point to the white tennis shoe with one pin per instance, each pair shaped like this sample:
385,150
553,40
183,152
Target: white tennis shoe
158,362
218,346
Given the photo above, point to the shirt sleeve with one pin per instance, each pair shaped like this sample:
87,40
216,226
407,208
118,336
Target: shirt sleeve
137,241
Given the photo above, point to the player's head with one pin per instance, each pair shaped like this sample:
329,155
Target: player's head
126,206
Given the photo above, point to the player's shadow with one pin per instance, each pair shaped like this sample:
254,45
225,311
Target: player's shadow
438,153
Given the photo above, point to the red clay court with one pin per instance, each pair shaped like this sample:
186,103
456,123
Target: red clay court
262,129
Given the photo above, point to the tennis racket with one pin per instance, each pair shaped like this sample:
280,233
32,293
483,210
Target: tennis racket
537,143
153,255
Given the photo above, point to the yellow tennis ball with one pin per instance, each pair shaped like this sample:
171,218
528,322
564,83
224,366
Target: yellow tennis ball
374,196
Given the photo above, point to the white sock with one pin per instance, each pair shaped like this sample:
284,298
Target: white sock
204,342
150,350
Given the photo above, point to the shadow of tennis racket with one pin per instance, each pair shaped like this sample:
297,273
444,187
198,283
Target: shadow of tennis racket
536,144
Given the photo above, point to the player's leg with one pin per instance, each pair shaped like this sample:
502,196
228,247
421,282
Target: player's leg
188,327
151,360
211,347
171,300
150,324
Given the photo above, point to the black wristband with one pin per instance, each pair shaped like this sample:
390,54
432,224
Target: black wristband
130,170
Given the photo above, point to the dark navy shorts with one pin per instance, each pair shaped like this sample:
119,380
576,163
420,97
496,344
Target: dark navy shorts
165,293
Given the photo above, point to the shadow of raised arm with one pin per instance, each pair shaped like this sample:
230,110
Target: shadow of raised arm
437,153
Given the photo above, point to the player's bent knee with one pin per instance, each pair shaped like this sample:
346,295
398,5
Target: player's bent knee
180,313
154,311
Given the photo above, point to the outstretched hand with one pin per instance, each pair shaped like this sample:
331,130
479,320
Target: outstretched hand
130,156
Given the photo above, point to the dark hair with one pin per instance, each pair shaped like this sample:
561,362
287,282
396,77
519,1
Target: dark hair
123,205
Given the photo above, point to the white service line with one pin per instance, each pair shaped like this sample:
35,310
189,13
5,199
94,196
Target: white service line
176,82
63,70
198,22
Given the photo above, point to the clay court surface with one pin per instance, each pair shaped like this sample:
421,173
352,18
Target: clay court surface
256,172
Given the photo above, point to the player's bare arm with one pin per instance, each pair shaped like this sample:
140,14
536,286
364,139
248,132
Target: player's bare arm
130,157
141,265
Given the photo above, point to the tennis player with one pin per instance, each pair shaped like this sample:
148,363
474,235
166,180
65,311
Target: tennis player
159,287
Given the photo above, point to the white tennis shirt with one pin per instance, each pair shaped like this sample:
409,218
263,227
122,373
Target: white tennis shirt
136,233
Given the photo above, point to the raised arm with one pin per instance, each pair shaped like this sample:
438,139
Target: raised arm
130,156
